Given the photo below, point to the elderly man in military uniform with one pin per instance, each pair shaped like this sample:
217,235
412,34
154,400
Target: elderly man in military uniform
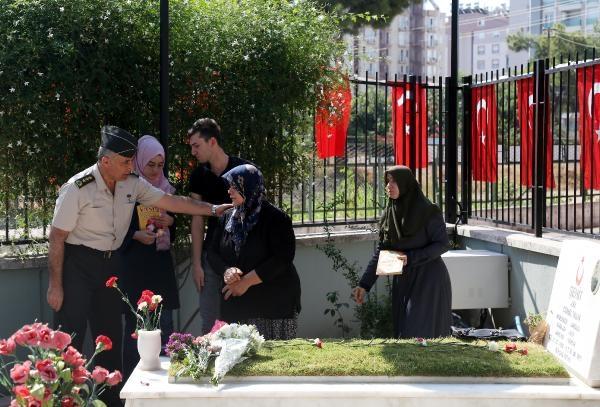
92,214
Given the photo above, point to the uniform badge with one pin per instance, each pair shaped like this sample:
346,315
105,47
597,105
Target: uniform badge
83,181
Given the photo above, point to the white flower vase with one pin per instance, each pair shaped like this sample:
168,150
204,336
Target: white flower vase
148,344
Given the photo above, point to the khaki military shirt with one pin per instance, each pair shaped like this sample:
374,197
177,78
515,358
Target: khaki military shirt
92,215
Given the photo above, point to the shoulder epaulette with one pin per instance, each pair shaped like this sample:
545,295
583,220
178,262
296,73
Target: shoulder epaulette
83,181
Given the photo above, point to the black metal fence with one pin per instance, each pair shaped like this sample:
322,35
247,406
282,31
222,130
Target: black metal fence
349,189
555,197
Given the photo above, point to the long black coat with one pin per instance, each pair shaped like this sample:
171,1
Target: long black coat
269,250
422,294
145,268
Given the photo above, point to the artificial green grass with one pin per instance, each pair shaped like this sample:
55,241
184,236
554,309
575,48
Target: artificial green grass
379,357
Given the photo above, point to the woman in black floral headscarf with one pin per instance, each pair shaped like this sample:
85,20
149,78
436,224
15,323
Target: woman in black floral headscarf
253,248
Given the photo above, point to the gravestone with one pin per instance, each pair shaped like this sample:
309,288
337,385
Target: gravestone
574,310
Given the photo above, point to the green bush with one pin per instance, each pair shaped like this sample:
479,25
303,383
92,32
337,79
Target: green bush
67,67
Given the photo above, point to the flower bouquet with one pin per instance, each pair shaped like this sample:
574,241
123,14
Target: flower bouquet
226,344
149,308
55,373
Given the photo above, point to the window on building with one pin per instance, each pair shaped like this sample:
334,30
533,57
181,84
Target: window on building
432,41
481,36
480,49
481,65
496,35
495,48
495,63
481,23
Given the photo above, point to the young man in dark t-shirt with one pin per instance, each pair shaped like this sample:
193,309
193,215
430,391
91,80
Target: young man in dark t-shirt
206,184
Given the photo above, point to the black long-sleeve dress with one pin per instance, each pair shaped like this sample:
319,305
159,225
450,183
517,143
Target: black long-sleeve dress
422,294
269,249
145,268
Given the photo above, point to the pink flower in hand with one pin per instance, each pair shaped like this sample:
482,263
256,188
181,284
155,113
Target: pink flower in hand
7,346
114,378
20,373
218,325
99,374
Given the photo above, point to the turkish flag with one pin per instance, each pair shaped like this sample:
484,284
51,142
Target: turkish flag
332,121
525,106
404,134
484,144
588,89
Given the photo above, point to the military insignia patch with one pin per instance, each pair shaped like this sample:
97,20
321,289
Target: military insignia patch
83,181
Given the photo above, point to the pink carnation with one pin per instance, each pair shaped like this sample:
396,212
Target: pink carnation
80,375
72,357
114,378
46,370
7,346
60,340
99,374
20,373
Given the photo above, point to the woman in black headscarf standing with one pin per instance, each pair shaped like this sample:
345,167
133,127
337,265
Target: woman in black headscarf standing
414,227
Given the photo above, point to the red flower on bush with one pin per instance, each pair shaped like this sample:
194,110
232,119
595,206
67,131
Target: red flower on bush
104,342
112,282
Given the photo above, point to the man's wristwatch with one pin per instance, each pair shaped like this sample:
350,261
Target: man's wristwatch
213,210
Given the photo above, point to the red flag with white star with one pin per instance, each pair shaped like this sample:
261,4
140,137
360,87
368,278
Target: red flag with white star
484,130
404,136
332,121
588,95
525,105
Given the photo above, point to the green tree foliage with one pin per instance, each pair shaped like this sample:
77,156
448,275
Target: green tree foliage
558,43
68,67
371,11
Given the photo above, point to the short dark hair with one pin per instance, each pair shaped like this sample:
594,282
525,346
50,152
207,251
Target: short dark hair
205,128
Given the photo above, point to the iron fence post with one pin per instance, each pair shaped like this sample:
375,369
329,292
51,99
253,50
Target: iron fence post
540,98
410,97
451,150
466,150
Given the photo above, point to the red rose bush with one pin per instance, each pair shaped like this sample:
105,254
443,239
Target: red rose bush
55,373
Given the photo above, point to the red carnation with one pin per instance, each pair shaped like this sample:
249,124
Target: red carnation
112,282
104,342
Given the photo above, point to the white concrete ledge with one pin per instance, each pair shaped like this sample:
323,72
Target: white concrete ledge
549,244
153,389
